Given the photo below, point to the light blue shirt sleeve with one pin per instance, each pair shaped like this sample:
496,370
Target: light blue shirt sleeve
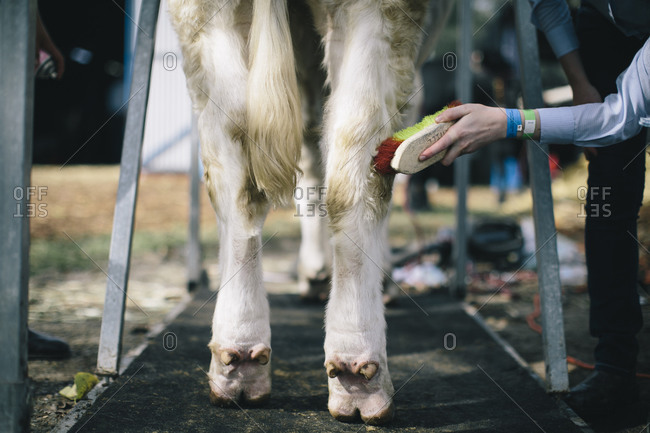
553,18
614,120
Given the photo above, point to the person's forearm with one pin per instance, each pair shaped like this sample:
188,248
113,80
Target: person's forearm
573,69
583,91
554,19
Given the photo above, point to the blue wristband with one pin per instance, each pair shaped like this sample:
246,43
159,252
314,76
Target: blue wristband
514,122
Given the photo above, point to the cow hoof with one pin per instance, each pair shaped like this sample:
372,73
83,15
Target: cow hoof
359,389
375,408
378,412
217,398
240,375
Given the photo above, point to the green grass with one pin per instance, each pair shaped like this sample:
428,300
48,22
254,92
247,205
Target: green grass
64,255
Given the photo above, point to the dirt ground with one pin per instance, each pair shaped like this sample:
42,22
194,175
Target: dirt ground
66,296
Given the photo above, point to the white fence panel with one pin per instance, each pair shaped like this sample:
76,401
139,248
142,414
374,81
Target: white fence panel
166,146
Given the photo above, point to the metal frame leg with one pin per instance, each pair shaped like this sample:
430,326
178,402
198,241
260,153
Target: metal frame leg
548,268
17,44
461,166
110,341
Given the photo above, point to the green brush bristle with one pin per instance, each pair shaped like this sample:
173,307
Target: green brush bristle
412,130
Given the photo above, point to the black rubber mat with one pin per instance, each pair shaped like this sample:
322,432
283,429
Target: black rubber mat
449,376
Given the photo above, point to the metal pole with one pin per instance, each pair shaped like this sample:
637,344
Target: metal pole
435,23
110,340
548,268
17,46
194,245
461,166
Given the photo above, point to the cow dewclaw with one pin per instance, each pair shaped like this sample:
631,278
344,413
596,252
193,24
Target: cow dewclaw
229,356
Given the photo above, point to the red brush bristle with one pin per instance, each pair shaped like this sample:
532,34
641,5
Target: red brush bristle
387,148
385,153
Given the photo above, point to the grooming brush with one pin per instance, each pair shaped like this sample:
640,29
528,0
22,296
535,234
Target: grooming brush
400,153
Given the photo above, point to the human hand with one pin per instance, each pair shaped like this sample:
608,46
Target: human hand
585,93
45,43
476,126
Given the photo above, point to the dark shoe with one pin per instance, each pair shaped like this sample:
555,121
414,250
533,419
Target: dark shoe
41,346
603,391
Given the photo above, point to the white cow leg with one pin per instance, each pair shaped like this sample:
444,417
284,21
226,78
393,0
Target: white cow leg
355,342
357,202
314,256
367,94
240,367
241,336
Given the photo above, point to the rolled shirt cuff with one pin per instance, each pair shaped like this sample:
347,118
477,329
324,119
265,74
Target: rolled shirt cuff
562,39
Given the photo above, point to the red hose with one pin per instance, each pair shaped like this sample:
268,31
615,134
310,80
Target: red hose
532,324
